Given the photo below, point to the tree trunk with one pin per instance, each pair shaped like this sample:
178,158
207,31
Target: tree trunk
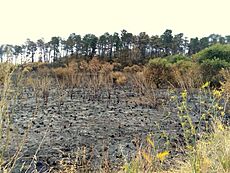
32,57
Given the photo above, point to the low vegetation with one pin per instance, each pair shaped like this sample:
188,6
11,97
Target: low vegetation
206,140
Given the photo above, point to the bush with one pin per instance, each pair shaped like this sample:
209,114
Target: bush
159,72
63,73
219,51
187,74
211,67
212,60
177,58
177,71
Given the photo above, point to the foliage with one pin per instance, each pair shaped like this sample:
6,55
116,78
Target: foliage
124,47
210,69
159,72
176,58
181,71
217,51
211,154
176,71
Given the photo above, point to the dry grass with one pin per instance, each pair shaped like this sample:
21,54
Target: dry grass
5,69
210,155
133,69
9,93
119,78
187,75
225,73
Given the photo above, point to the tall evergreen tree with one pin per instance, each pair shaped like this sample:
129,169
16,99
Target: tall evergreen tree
54,46
31,49
194,46
167,40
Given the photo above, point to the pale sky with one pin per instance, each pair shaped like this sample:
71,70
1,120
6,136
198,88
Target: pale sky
34,19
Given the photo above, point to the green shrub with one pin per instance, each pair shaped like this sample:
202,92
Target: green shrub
159,72
219,51
176,58
211,67
212,60
177,71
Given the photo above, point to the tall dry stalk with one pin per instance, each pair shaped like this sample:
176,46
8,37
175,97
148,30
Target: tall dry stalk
9,91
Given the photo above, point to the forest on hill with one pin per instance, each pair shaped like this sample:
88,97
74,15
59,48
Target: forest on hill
123,47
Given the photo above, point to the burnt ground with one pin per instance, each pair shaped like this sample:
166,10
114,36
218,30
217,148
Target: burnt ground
106,126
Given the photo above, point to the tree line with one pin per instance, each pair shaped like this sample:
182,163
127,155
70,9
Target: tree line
124,46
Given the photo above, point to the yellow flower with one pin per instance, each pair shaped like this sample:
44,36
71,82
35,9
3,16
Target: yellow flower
220,127
150,141
184,94
126,167
216,93
220,107
206,163
189,147
161,156
222,113
216,105
147,157
205,85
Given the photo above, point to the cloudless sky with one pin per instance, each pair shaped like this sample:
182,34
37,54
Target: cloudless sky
34,19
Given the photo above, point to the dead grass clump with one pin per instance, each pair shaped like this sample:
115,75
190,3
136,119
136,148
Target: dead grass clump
119,78
106,68
63,73
35,65
66,72
145,89
40,86
94,65
187,75
83,66
132,69
44,71
9,94
93,74
5,68
105,78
